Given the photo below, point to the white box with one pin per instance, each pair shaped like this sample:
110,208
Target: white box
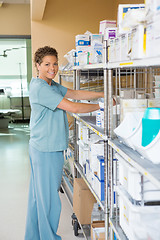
150,52
127,93
138,42
96,38
157,88
152,8
131,218
110,33
132,105
96,52
111,50
82,40
124,47
117,49
122,10
156,33
130,179
106,23
83,132
155,102
83,153
95,149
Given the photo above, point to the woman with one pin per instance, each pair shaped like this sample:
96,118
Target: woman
48,140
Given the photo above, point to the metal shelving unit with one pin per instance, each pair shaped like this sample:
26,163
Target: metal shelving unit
145,68
111,73
90,122
143,165
114,223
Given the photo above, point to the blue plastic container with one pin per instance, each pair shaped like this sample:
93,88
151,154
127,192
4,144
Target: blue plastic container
150,125
101,166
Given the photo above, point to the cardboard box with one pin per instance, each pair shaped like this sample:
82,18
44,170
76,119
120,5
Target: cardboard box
83,201
95,225
100,236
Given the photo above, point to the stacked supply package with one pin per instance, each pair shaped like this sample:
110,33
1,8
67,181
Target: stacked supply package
91,158
152,28
82,45
96,48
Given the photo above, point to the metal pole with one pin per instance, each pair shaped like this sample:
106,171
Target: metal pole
106,210
20,70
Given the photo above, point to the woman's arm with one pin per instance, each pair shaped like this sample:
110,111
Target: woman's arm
77,107
83,95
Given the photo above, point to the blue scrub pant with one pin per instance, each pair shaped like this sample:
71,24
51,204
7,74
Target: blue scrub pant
44,205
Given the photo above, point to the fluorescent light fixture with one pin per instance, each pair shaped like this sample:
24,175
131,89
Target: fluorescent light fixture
1,2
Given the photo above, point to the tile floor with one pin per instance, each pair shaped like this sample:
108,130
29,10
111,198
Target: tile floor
14,184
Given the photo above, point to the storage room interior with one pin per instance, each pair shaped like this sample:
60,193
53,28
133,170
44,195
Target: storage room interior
110,187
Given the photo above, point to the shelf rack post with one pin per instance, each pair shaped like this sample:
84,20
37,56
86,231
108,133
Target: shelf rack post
106,203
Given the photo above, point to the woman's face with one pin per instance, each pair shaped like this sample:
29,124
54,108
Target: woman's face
48,68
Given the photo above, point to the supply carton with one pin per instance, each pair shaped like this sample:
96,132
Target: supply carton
82,40
111,50
138,42
122,10
124,47
117,49
83,201
106,23
96,225
100,235
110,33
132,105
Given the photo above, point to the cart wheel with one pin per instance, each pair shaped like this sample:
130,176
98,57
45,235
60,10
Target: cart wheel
75,226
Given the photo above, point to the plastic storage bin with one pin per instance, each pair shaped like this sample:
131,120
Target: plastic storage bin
131,218
150,145
130,179
150,125
130,129
151,151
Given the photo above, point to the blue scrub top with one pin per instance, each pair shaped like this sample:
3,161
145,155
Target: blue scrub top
48,124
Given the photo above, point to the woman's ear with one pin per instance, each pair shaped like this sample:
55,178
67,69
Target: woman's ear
37,65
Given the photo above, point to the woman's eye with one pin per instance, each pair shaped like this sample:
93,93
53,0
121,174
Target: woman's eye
47,64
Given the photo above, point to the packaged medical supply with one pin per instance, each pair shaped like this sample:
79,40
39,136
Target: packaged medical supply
111,50
152,8
117,49
138,42
82,40
96,38
106,23
110,33
122,10
124,47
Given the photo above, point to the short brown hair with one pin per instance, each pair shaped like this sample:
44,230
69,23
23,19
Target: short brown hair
44,51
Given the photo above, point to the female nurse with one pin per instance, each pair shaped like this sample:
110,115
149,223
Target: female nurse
48,140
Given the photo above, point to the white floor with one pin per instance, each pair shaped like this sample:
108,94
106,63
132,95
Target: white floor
14,184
